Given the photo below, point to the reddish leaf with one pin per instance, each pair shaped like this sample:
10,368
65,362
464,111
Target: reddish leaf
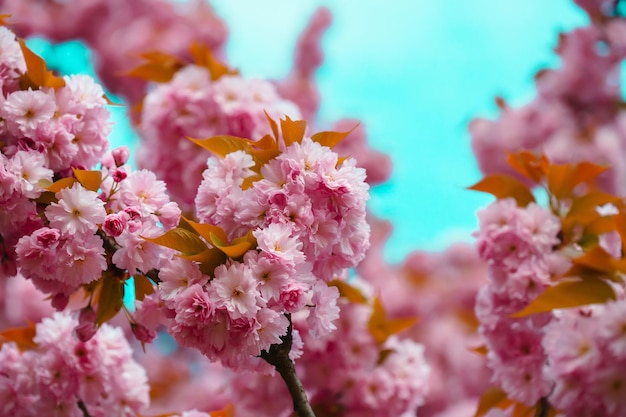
590,201
143,286
528,165
567,294
21,336
91,180
562,179
381,327
293,130
504,186
181,240
352,294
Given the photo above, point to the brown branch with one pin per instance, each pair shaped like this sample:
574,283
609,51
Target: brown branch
83,408
278,356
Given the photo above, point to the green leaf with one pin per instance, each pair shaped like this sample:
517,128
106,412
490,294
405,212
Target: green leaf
567,294
504,186
181,240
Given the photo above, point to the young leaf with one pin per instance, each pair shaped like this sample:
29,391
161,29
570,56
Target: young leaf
61,184
203,57
235,251
37,74
567,294
143,286
349,292
228,411
181,240
493,397
381,327
21,336
481,350
293,130
110,298
273,125
528,165
562,179
331,138
91,180
504,186
160,67
213,234
223,145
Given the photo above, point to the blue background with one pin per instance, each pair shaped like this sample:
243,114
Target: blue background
414,71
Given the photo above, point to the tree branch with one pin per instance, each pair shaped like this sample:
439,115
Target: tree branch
278,356
83,408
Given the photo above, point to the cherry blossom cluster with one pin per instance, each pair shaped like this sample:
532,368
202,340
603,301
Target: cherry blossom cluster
46,131
576,115
117,31
517,244
193,104
58,375
306,216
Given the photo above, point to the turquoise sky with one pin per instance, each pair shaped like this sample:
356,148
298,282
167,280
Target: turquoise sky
415,72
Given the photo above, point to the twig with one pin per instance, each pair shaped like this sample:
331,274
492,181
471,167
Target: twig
278,356
83,408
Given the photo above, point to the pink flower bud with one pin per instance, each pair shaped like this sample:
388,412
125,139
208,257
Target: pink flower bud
86,328
142,333
120,155
115,224
119,175
59,301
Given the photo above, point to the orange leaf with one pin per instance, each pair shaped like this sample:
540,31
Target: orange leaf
562,179
160,67
493,397
522,410
504,186
590,201
223,145
21,336
567,294
528,165
3,19
381,327
61,184
349,292
181,240
331,138
203,57
110,298
293,130
213,234
620,222
272,124
228,411
37,74
481,350
143,286
91,180
596,259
